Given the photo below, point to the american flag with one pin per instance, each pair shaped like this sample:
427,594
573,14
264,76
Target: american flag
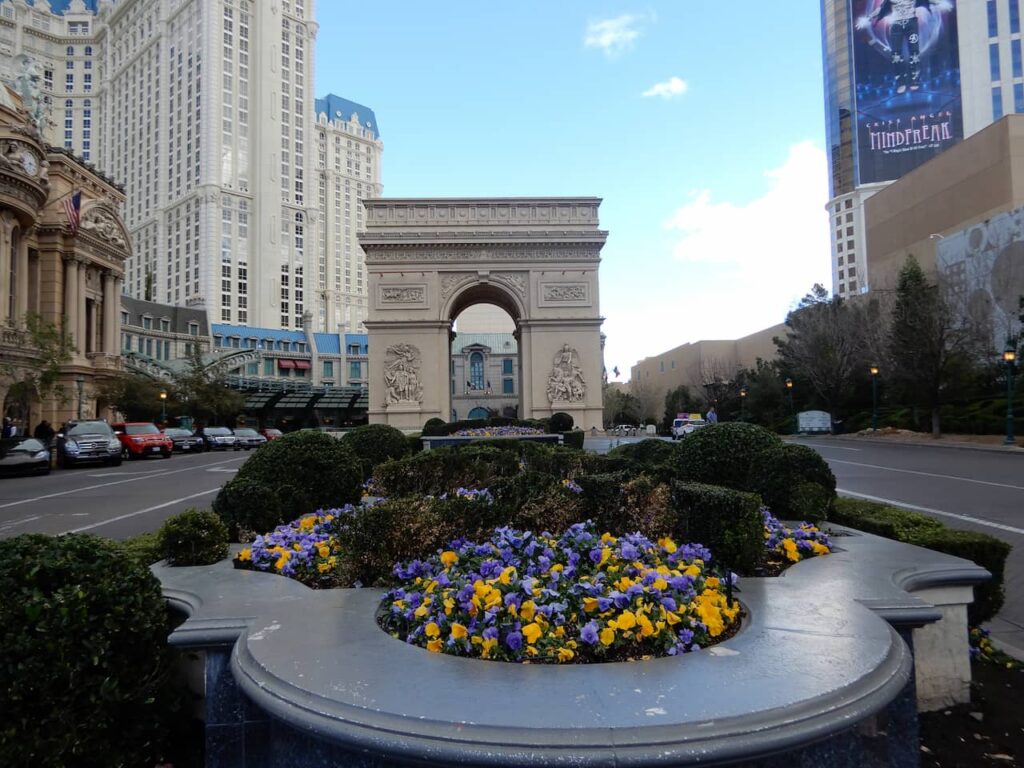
73,210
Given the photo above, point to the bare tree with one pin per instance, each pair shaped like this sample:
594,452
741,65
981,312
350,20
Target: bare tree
648,399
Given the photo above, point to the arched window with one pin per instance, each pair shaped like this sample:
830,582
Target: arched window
69,104
476,371
88,50
71,50
479,413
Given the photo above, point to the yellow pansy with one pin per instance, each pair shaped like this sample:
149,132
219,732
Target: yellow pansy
667,544
432,630
434,646
459,631
449,558
528,609
712,582
323,550
532,632
564,655
245,554
626,621
590,604
507,574
607,636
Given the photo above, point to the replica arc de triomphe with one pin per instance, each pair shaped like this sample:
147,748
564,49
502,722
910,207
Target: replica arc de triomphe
536,258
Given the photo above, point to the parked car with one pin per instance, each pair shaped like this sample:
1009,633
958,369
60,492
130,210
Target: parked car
183,440
23,456
271,433
87,440
141,438
247,439
216,438
686,426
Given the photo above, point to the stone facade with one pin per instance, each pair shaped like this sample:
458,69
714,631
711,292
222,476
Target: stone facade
535,258
71,282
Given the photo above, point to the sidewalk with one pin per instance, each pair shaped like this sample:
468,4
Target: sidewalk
888,436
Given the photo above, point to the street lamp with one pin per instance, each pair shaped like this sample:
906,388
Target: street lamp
874,398
163,408
80,385
743,400
792,412
1009,356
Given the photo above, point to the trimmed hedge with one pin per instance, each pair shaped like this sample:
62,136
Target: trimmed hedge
85,671
914,528
375,444
292,476
434,429
723,454
726,521
561,422
143,549
794,482
573,439
194,537
647,453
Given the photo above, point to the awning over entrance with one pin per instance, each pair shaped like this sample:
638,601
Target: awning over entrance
256,401
282,363
343,397
302,364
297,400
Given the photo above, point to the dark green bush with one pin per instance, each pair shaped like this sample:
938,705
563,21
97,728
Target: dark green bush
647,453
537,501
602,497
432,473
723,454
194,537
646,506
433,424
434,429
294,475
987,551
726,521
376,537
573,439
794,482
375,444
414,443
914,528
143,549
85,672
560,422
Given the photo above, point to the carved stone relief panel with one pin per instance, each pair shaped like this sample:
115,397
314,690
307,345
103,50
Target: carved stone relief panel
514,280
562,294
402,371
402,295
451,281
566,383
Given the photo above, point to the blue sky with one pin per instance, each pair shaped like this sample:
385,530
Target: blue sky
699,123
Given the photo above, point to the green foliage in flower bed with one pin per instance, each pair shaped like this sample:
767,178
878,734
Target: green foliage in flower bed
84,673
914,528
723,454
519,596
573,439
294,475
375,444
433,429
143,549
648,453
727,522
794,482
194,537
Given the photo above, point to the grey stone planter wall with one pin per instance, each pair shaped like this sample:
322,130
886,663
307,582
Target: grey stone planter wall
820,674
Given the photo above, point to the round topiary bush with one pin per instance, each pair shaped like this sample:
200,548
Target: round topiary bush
647,453
294,475
375,444
794,482
84,674
723,454
561,422
434,427
194,537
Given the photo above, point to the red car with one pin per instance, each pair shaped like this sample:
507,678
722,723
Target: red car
271,434
140,439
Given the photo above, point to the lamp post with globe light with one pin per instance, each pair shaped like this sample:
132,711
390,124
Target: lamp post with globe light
792,412
1009,357
163,408
874,398
743,400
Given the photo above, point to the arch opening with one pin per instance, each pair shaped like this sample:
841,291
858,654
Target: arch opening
485,363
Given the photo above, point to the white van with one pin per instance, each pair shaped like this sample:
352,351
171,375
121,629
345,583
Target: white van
685,426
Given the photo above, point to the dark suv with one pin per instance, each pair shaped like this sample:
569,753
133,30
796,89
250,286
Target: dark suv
88,440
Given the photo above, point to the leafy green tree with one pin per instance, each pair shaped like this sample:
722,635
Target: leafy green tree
35,376
137,397
203,391
825,345
620,407
679,400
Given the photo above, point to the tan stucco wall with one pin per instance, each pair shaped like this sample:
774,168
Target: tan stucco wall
975,180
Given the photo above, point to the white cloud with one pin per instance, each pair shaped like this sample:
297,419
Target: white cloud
613,36
674,86
736,268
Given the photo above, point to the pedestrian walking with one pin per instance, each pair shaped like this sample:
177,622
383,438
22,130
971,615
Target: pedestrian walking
712,417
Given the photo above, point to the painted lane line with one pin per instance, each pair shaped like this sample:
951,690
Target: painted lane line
829,447
142,511
147,472
107,485
931,474
15,523
929,510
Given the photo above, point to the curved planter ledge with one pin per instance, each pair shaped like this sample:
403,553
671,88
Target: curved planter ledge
814,673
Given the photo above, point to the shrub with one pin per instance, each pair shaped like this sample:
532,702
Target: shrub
439,429
573,439
646,506
726,521
375,444
414,443
194,537
647,453
987,551
374,538
914,528
143,549
294,475
432,473
723,454
560,422
537,501
432,425
794,482
84,674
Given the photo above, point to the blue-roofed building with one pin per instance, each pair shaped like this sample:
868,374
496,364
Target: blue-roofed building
350,150
61,7
484,375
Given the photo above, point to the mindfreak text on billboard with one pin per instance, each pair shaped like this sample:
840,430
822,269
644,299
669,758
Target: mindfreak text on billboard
907,84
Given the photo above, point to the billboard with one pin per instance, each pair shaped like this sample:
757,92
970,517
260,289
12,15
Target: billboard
906,69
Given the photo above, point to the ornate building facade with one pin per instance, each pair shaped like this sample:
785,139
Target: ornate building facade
54,278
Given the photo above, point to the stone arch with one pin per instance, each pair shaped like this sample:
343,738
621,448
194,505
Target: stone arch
535,258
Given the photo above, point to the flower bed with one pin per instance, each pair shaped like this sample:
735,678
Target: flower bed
580,597
793,545
498,432
305,549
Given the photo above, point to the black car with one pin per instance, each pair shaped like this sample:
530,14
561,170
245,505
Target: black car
247,439
216,438
184,440
24,456
88,440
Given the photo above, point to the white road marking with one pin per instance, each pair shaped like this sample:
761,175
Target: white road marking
142,511
931,474
107,485
223,469
829,447
929,510
15,523
122,474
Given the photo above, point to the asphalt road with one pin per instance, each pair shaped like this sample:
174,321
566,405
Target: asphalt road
116,502
964,488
